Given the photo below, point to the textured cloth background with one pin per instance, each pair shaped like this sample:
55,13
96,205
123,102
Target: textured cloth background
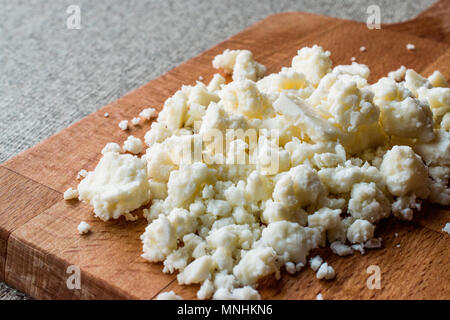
51,76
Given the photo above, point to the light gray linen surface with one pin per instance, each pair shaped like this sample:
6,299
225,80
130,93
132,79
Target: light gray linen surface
51,76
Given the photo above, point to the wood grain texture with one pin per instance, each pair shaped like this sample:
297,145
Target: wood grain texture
41,227
433,23
20,200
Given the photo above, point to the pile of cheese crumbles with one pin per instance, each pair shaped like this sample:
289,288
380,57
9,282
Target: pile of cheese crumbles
348,153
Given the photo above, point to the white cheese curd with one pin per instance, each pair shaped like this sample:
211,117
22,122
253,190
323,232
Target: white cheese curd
247,176
315,262
111,147
147,114
405,173
240,64
133,145
170,295
82,174
70,194
360,231
83,228
341,249
135,121
313,62
117,186
123,125
325,272
446,228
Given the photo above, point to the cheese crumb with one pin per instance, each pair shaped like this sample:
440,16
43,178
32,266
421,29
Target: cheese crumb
135,121
363,49
325,272
148,113
341,249
82,174
106,114
319,297
410,47
111,147
170,295
315,262
446,228
123,125
70,194
133,145
83,228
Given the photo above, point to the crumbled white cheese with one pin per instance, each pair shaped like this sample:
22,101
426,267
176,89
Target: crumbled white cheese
106,114
117,186
83,227
325,272
363,49
82,174
111,147
135,121
398,75
341,249
315,262
319,296
246,178
123,125
446,228
170,295
410,47
70,194
133,145
148,113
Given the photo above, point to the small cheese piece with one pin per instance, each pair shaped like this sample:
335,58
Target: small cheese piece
197,271
170,295
123,125
133,145
70,194
446,228
111,147
313,62
319,297
360,231
135,121
437,79
117,186
315,262
256,264
403,207
340,249
240,63
83,227
404,172
325,272
410,47
82,174
368,202
148,113
398,75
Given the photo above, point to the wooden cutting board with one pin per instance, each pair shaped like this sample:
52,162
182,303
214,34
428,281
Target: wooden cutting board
38,229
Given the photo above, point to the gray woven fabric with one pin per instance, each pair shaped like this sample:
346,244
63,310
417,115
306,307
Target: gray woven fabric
51,76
